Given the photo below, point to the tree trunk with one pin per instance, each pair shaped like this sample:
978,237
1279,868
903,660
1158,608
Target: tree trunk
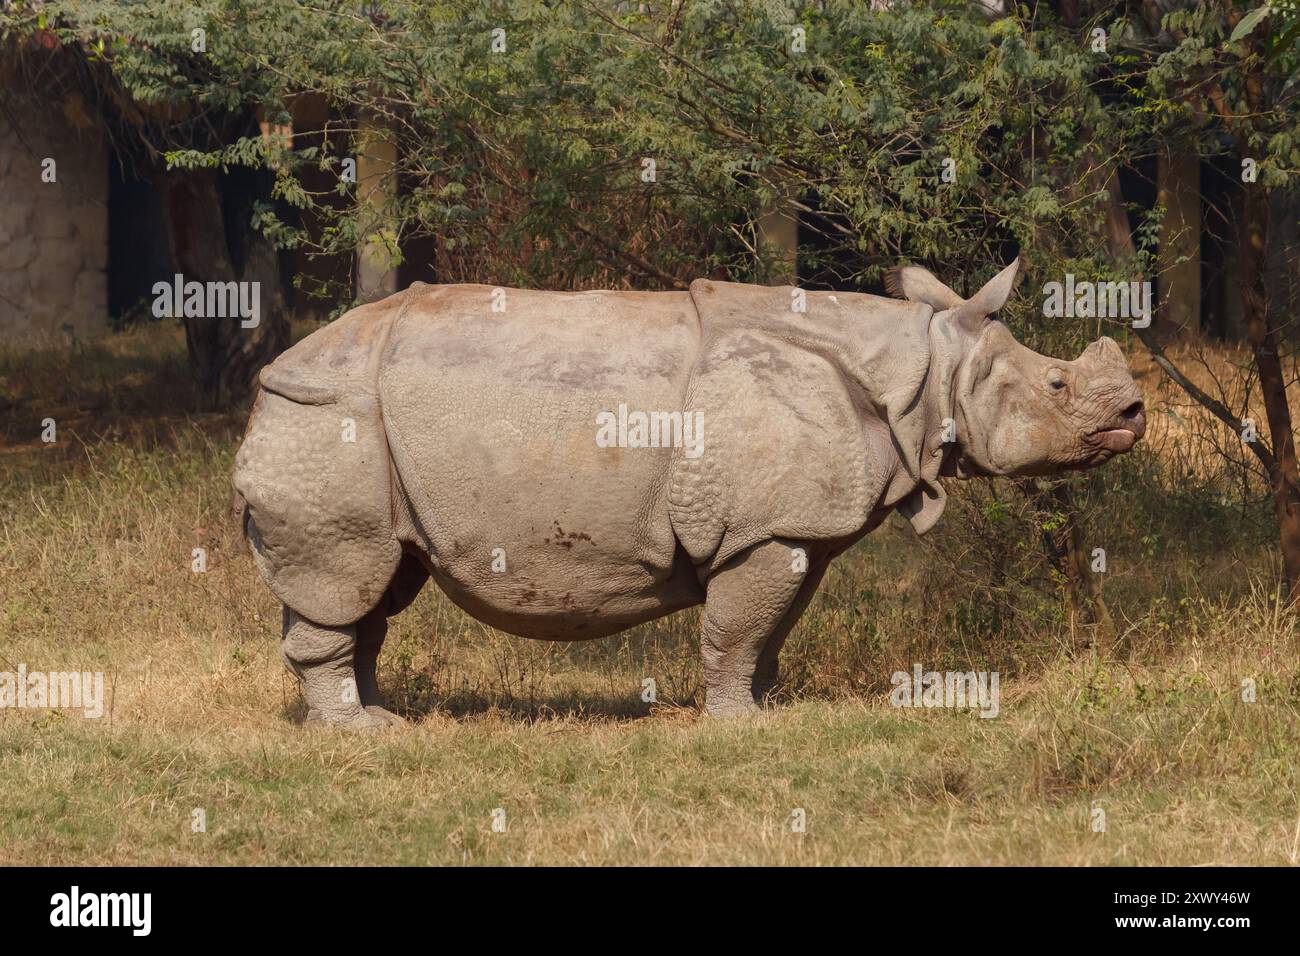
1178,270
224,356
1284,475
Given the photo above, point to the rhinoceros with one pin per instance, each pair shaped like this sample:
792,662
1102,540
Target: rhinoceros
569,465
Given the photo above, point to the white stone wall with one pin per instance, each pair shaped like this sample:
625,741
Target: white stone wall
53,236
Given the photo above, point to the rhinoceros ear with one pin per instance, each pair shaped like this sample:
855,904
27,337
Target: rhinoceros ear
974,312
920,285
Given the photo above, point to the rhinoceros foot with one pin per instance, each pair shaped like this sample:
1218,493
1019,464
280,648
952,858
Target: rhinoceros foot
325,659
731,708
387,716
357,720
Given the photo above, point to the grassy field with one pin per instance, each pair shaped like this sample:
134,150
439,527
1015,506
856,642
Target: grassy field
1151,734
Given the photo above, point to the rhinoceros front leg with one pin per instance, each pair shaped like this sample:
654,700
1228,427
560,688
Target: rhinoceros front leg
746,605
767,670
322,658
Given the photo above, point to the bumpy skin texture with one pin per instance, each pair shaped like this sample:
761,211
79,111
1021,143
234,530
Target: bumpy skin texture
812,417
473,459
314,472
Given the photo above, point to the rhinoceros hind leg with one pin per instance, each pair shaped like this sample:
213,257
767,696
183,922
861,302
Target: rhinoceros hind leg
371,631
747,602
373,628
322,658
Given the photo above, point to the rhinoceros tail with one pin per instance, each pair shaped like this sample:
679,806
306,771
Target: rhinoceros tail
239,512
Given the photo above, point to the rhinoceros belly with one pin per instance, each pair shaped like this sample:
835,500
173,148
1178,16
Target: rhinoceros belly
532,518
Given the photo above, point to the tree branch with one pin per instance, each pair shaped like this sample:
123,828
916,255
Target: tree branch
1205,400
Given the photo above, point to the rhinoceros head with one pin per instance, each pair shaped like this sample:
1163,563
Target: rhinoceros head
1017,412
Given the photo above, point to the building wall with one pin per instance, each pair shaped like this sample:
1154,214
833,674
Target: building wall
53,235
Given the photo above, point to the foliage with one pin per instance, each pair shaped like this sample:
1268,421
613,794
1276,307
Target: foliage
527,160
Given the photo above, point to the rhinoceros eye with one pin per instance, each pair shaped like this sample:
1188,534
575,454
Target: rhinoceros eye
1058,384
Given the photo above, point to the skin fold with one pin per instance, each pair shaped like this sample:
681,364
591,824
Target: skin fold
455,433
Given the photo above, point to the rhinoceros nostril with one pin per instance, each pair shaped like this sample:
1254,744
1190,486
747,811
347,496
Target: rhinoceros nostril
1134,418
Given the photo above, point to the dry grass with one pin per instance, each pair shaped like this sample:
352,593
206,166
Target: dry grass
1187,437
95,552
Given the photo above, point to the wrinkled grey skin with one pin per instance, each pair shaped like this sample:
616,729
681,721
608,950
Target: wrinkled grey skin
433,435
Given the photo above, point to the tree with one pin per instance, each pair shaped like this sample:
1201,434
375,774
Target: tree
1224,68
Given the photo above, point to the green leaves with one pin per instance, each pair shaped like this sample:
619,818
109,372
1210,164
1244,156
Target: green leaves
927,130
1246,25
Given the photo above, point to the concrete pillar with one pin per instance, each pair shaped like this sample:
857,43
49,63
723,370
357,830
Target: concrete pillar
778,241
378,256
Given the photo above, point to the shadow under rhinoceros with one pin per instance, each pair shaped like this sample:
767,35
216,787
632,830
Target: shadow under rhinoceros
543,707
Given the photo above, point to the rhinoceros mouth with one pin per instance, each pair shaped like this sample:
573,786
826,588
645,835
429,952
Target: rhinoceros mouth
1114,440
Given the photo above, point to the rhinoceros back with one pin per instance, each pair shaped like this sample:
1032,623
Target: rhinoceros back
314,471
